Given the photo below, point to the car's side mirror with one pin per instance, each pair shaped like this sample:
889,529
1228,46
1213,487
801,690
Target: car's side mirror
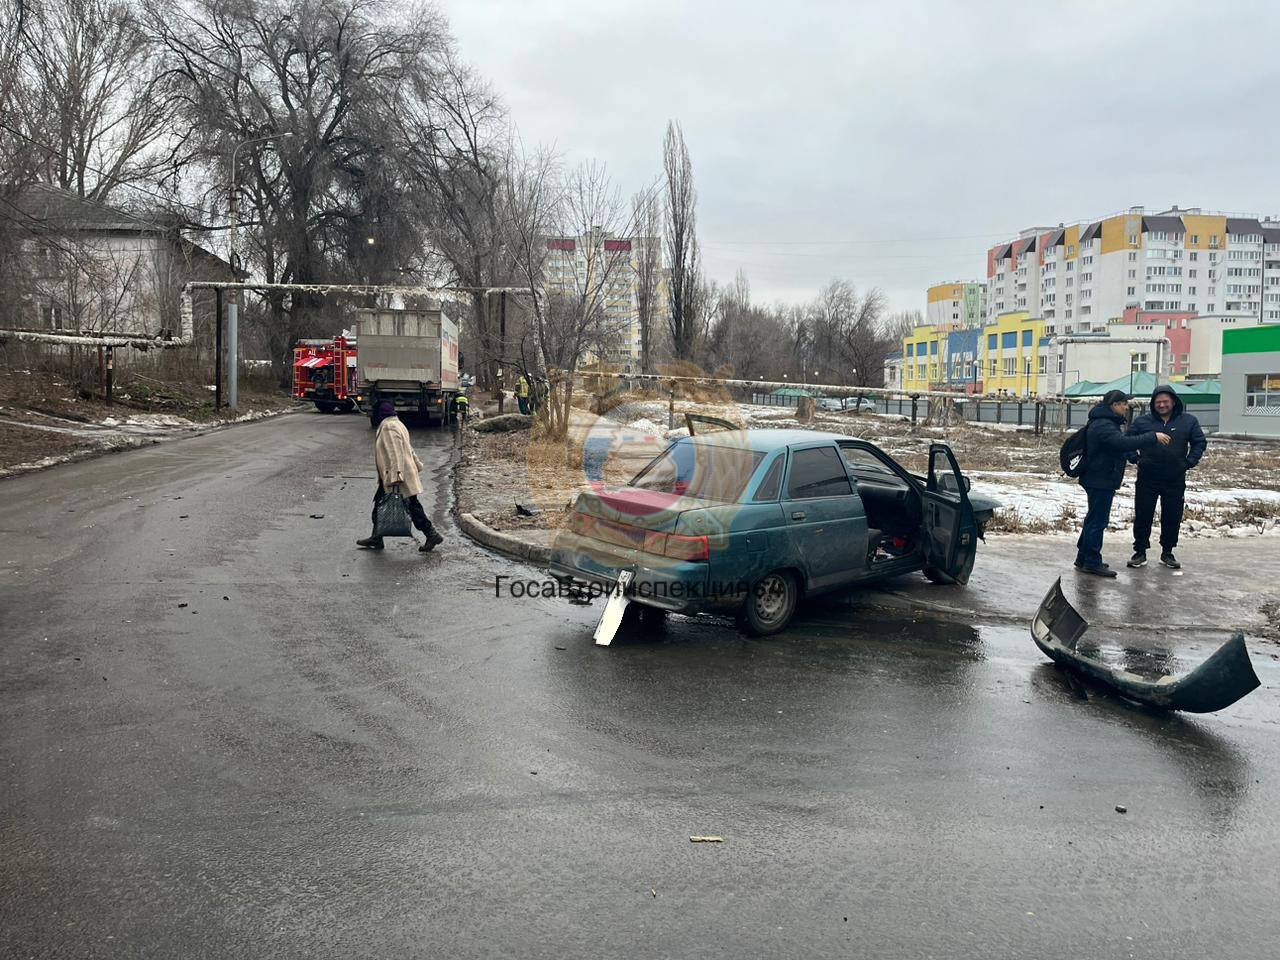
967,485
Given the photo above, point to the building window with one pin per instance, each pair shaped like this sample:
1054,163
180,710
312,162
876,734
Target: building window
1010,366
1026,338
1213,241
1044,364
993,366
1195,239
1133,239
1262,393
1133,255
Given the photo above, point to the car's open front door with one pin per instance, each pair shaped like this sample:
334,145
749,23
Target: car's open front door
950,532
700,423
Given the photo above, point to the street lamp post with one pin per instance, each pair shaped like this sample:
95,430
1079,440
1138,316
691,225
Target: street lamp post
1133,363
233,308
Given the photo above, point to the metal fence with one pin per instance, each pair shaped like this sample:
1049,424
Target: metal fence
1049,413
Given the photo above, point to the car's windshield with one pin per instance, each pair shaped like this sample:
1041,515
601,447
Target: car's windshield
699,470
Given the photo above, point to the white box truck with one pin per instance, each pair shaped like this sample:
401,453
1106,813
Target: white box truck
409,357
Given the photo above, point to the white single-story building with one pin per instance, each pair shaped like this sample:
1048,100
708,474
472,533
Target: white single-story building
1251,382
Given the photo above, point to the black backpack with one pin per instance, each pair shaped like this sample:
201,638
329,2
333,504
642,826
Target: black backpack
1073,455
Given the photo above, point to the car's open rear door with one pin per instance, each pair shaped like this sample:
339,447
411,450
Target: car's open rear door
950,532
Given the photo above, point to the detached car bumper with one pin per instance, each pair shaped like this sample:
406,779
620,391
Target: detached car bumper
681,586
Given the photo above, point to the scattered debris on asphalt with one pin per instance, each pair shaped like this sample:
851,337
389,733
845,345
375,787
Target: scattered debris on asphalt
1121,808
182,606
706,839
526,510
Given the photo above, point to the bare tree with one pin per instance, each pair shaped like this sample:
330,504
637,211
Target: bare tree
453,133
647,217
571,247
863,345
686,324
327,73
898,326
95,106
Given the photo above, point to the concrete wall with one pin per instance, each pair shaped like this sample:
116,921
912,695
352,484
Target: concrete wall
1206,341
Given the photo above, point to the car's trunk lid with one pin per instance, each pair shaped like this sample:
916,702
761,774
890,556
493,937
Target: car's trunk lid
647,510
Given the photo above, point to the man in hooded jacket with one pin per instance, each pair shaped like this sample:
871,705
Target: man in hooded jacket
398,468
1162,473
1107,450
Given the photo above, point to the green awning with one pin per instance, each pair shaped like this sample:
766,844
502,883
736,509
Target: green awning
1144,383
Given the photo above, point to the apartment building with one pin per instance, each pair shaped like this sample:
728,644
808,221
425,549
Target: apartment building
608,271
1079,277
958,304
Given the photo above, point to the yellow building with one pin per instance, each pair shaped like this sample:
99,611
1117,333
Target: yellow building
924,358
1011,354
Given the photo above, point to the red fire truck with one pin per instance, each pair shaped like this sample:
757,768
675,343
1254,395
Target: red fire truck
324,372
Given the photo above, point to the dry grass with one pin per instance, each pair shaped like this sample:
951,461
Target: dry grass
1242,513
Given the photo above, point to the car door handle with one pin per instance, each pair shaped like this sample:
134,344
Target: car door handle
797,514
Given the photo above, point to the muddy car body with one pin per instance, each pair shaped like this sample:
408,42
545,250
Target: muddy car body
751,521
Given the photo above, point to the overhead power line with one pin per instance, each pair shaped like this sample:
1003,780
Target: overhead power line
819,243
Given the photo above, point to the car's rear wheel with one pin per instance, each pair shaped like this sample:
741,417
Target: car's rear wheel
770,604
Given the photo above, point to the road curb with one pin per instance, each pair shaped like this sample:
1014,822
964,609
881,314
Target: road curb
500,542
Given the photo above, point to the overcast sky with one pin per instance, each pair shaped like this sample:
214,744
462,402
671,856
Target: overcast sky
890,143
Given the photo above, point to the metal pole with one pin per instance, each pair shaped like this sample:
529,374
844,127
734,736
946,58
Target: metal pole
110,365
217,350
233,308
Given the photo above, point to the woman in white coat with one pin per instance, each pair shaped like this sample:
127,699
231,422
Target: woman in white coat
398,468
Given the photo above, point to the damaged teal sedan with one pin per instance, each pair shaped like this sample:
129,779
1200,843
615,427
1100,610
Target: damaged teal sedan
750,522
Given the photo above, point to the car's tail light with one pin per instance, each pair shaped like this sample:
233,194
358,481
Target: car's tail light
686,548
580,522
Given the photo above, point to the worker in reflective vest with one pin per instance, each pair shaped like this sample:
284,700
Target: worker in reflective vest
522,395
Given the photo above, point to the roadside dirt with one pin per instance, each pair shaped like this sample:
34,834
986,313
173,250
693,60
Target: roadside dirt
1237,487
44,418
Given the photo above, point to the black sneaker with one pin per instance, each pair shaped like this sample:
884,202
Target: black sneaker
1170,561
370,543
1099,571
433,540
1139,559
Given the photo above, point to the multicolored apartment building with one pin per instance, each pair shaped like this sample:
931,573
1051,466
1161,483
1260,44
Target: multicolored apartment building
956,304
1081,276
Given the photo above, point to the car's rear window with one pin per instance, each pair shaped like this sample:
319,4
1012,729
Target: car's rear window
700,470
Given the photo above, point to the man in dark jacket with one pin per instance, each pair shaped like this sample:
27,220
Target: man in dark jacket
1106,451
1162,474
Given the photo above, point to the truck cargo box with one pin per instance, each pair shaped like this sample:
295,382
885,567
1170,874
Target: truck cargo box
407,349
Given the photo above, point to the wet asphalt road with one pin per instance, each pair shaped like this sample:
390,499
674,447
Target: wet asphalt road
335,753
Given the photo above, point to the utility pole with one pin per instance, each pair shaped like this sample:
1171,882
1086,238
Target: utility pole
233,307
217,349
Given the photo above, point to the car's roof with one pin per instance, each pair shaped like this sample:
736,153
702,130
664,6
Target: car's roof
763,441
